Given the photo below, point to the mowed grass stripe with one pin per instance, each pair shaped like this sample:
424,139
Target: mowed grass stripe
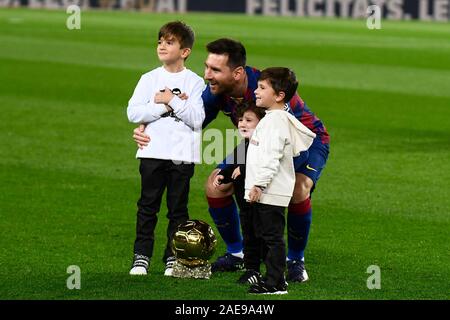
315,72
367,74
112,54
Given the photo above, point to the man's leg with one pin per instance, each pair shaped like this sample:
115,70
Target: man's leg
299,217
223,211
300,210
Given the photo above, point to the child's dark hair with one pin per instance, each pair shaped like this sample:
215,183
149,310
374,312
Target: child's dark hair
237,55
181,31
282,80
250,106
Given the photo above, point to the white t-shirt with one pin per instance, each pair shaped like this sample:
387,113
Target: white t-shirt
175,137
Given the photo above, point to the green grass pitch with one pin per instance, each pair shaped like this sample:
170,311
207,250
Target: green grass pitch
69,179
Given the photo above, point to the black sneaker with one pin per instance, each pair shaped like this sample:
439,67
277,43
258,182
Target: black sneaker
296,271
140,265
227,262
250,276
262,288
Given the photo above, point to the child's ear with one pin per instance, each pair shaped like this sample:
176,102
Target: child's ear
185,53
280,97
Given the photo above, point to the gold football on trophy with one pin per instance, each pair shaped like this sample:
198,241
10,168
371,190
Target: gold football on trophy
194,243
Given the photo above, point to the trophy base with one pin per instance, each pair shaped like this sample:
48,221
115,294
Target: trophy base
201,272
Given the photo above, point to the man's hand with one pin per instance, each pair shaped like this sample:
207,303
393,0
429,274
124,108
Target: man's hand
218,180
254,194
164,96
140,137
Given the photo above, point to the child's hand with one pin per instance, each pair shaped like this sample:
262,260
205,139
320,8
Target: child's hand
236,173
164,96
254,194
183,96
218,180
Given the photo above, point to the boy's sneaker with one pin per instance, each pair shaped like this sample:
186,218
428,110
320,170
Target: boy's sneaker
140,265
262,288
296,271
227,262
169,266
250,276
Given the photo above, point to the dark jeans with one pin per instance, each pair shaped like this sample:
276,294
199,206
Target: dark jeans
263,228
156,176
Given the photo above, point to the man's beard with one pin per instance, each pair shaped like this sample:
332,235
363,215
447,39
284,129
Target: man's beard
223,88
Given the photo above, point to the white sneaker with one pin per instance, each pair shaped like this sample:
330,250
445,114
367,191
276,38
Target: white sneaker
140,265
169,266
138,271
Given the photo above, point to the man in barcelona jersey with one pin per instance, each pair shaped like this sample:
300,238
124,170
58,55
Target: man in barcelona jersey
230,83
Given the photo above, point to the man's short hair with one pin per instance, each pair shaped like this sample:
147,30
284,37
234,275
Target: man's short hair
181,31
282,80
237,57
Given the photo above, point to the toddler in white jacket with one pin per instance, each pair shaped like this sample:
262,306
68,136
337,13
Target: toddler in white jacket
270,175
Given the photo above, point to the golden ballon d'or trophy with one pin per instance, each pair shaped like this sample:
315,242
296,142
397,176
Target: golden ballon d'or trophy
193,245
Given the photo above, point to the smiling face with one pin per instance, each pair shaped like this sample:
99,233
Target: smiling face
247,124
265,95
169,50
219,75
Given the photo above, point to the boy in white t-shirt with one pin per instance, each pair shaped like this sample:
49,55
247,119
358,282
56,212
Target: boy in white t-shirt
174,124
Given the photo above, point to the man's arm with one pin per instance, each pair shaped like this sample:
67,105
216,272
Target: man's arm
211,105
140,137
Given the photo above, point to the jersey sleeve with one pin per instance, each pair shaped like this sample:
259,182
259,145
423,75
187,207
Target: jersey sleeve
212,106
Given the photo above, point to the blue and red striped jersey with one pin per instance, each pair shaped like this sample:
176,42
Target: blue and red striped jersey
296,106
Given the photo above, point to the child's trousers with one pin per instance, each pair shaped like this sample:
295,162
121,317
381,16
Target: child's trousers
156,176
